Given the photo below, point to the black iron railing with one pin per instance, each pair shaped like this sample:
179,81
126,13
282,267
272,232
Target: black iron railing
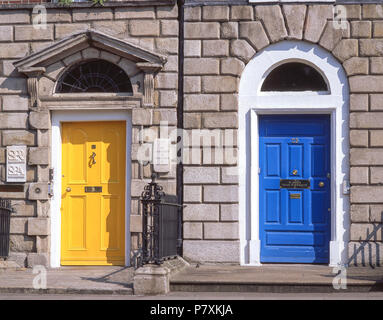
5,220
161,220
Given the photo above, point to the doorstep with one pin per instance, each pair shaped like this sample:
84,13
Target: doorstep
276,278
70,280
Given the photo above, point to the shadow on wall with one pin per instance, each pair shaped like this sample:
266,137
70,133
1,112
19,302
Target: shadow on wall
364,253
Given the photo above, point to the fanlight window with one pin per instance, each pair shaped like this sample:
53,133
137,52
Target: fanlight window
94,76
294,76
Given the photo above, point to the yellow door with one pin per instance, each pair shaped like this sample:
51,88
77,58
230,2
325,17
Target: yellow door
93,193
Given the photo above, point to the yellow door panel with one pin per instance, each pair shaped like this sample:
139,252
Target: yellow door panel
93,193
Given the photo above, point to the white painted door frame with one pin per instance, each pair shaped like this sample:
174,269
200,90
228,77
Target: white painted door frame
58,117
253,102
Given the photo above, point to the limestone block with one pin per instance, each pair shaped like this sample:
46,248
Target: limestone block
151,280
376,174
15,103
332,35
223,193
63,30
192,48
38,191
14,16
358,102
38,226
213,48
18,137
167,45
141,117
221,231
134,13
201,102
273,20
215,13
376,65
202,30
166,81
8,69
363,231
192,13
356,65
229,175
365,120
213,84
366,194
169,116
192,230
199,175
366,156
199,66
137,187
91,53
377,29
253,32
220,120
192,194
94,14
376,138
359,175
366,83
211,251
21,243
18,257
229,102
232,66
372,11
361,29
39,120
192,84
242,50
13,120
376,214
371,47
135,223
169,28
295,18
359,213
316,20
346,49
144,28
192,120
23,208
229,212
6,33
229,30
18,225
28,33
242,13
38,155
168,99
42,244
201,212
376,102
37,259
167,12
13,85
354,11
359,138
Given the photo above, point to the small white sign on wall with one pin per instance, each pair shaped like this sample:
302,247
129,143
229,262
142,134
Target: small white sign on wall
16,164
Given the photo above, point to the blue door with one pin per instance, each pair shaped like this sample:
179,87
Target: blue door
294,191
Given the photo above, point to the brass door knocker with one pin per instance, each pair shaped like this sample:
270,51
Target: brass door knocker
92,159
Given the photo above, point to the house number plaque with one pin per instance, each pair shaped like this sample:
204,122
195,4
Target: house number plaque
16,164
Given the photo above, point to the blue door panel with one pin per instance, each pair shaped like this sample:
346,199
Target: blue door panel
295,223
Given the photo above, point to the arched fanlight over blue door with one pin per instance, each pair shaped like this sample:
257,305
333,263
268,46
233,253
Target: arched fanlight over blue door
294,76
94,76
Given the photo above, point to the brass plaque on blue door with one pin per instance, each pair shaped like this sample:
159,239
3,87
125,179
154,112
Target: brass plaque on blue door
295,195
294,184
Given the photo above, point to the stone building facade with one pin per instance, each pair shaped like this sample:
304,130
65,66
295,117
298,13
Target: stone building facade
226,50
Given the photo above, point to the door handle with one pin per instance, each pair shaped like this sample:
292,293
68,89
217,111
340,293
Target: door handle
321,184
68,189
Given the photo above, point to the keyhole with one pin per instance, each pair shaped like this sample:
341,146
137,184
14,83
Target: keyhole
295,172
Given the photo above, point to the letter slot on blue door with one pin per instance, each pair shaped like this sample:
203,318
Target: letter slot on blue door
294,188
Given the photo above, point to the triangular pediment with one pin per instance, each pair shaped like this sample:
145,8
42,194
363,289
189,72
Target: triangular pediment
89,38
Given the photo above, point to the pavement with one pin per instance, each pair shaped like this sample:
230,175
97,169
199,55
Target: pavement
194,281
68,280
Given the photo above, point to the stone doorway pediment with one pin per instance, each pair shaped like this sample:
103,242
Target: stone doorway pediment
44,68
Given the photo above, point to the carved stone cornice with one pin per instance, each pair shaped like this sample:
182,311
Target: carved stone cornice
33,74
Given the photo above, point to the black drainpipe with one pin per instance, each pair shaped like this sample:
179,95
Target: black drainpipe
180,117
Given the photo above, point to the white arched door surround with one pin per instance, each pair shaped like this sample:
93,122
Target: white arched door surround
253,102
